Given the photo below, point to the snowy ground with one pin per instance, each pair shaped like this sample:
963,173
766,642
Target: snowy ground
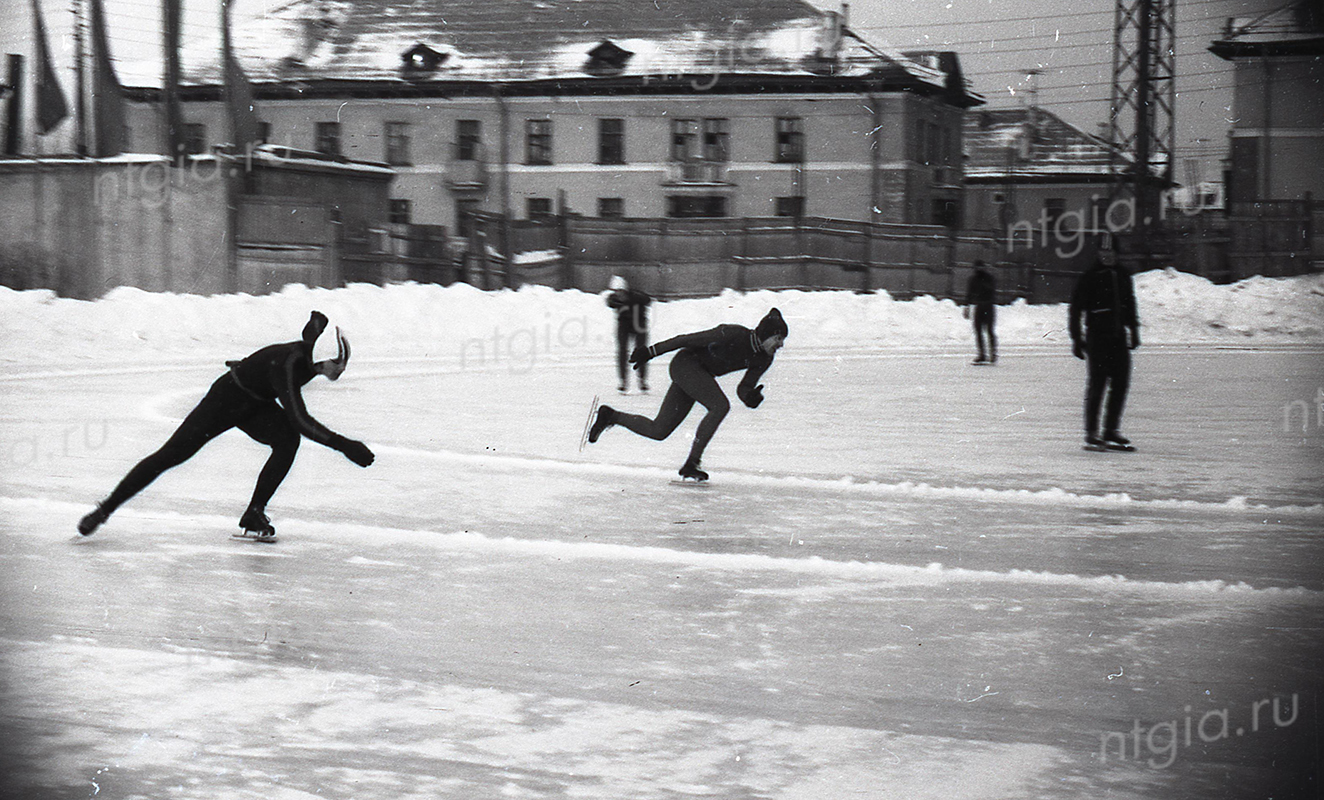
905,581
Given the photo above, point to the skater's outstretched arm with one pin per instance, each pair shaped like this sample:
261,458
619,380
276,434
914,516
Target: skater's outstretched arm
699,339
291,400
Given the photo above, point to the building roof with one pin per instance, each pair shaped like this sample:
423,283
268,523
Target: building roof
417,42
1031,144
1293,29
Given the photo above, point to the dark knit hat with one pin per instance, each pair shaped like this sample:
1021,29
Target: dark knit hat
771,325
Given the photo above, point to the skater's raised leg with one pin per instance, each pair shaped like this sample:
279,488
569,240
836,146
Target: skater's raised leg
212,417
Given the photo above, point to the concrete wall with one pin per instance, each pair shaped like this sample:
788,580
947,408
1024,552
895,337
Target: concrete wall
84,227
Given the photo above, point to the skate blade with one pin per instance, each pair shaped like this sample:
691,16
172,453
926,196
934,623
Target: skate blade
253,536
693,483
588,423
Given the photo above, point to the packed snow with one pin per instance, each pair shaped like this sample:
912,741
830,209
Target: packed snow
413,320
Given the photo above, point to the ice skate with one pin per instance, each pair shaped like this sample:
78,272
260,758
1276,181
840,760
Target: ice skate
1094,443
92,520
605,419
1116,441
255,527
690,472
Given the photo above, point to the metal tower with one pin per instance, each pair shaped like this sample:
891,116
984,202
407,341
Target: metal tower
1141,121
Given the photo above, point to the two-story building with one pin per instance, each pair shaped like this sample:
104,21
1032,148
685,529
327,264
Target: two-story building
1277,139
607,108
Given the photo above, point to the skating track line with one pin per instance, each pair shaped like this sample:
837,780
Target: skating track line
307,538
850,485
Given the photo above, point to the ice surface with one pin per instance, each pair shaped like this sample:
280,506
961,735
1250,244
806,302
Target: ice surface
905,579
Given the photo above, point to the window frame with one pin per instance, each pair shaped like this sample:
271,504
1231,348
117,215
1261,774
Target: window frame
324,132
396,136
611,143
538,142
789,140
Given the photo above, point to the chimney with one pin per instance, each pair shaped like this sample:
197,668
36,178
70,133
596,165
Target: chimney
833,25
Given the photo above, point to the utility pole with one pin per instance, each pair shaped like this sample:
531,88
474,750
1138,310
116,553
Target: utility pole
1141,119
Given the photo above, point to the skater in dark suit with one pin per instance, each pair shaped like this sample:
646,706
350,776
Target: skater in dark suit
981,296
1104,304
631,308
260,396
703,356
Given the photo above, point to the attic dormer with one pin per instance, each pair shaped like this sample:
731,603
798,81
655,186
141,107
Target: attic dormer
421,60
607,58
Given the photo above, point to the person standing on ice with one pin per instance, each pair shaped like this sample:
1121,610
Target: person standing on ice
981,295
261,396
631,308
703,356
1104,301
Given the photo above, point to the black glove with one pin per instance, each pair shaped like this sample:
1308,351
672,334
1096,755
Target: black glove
1135,338
641,355
357,452
751,397
1078,349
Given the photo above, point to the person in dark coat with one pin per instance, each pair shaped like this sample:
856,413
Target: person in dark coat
631,308
981,296
703,356
1104,330
260,396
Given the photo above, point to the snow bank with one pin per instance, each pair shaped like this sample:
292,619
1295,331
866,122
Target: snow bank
413,320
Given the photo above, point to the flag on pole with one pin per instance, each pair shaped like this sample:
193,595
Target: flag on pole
175,138
51,108
244,129
107,95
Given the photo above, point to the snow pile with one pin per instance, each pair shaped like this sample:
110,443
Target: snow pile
413,320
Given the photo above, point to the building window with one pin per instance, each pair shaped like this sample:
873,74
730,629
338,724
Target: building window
791,206
611,207
790,140
684,139
328,138
538,209
925,147
468,139
690,206
397,143
716,136
464,221
611,141
399,213
264,133
538,141
945,213
195,138
1054,208
686,144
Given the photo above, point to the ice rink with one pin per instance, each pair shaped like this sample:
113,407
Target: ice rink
905,580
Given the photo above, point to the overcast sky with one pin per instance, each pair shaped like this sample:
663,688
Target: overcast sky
999,41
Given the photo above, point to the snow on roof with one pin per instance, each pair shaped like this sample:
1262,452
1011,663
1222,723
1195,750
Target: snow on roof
1041,142
1295,27
528,40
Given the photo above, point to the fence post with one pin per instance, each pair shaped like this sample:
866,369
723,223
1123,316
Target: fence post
800,250
866,281
744,253
563,243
